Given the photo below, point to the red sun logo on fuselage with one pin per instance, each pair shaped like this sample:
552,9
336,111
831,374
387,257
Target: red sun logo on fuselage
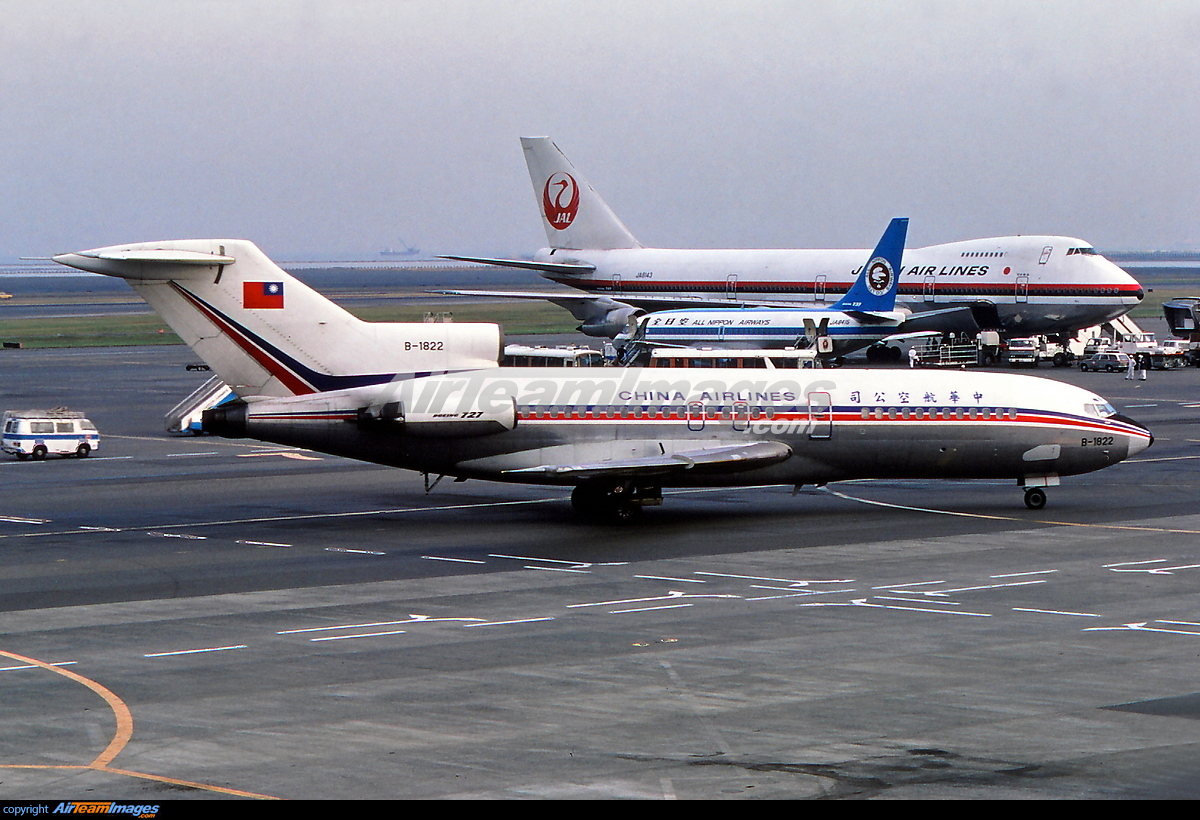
560,200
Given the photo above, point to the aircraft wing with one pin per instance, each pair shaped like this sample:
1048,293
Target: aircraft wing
729,458
560,298
526,264
955,319
648,303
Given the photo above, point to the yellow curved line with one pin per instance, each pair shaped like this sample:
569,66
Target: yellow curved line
120,739
127,773
120,710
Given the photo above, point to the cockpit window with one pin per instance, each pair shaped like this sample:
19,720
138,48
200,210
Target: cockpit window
1100,409
1088,251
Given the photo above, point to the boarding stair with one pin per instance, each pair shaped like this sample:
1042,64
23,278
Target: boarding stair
186,416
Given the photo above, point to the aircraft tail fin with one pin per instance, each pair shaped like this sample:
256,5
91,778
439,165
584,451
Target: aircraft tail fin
266,333
875,289
573,214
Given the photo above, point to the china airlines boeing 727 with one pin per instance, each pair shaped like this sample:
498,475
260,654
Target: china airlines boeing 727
432,398
1021,285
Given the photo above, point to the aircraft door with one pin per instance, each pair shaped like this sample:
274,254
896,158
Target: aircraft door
1022,292
819,289
820,415
731,284
616,283
1046,251
929,288
695,416
741,417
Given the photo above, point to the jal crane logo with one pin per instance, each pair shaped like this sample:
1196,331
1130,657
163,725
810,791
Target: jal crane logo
560,200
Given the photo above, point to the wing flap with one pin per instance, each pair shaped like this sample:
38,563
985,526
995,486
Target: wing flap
730,458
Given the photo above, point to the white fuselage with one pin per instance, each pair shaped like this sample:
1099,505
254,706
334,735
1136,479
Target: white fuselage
766,328
1037,284
839,424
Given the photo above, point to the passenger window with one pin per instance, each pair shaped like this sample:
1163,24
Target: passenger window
65,427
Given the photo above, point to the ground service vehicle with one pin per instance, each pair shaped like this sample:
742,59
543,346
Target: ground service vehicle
39,433
1109,362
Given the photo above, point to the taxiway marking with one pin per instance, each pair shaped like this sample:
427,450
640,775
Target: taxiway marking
1056,612
194,651
270,519
982,516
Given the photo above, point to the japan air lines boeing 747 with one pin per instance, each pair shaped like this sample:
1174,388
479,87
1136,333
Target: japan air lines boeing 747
1020,285
432,398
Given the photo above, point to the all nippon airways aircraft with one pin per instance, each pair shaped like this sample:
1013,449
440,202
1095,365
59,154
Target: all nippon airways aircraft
431,398
865,315
1021,285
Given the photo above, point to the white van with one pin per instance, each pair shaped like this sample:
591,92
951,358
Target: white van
39,433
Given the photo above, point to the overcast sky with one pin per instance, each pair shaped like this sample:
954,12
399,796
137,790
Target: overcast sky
332,129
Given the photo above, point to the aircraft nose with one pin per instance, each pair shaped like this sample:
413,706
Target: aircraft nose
1137,443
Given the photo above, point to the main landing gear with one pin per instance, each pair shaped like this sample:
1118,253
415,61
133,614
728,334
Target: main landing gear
1035,498
616,501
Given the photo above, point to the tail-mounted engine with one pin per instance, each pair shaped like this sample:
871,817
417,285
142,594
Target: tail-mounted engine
442,424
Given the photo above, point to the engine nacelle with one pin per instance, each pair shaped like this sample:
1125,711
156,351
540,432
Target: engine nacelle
445,423
613,323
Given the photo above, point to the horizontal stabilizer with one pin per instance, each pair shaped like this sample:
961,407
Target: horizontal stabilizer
712,460
152,261
171,257
885,317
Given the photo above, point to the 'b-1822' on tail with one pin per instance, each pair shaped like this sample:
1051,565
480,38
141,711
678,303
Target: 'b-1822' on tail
432,398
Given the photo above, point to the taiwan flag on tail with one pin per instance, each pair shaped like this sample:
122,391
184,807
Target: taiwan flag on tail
262,295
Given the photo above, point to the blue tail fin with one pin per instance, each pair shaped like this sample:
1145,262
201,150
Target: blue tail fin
875,288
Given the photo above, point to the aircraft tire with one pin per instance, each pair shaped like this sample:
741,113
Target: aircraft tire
83,450
586,499
624,512
38,453
604,502
1035,498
